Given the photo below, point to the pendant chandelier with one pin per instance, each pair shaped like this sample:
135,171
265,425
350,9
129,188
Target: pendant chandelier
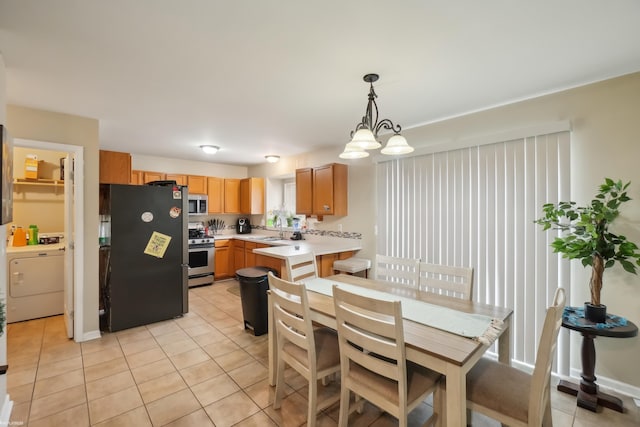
365,135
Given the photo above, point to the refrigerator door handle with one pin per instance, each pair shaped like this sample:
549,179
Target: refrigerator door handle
185,288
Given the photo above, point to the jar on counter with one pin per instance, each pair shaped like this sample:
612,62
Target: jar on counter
33,234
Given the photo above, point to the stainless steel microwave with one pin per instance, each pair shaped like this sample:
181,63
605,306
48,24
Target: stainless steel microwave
198,204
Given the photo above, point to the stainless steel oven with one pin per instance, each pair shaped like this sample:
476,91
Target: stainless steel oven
201,261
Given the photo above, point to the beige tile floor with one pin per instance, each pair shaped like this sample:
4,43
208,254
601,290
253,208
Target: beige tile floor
199,370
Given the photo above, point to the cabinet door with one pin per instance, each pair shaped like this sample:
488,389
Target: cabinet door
179,179
238,255
330,190
232,195
249,256
222,264
115,167
137,178
304,190
252,196
197,184
149,176
215,191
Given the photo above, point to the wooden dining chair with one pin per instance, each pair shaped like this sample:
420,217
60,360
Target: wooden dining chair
373,359
446,280
313,352
404,271
302,266
510,395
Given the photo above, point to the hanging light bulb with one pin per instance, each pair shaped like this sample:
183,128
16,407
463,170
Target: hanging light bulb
397,145
365,135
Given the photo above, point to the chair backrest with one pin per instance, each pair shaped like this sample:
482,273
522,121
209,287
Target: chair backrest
370,334
403,271
302,266
291,316
540,381
447,280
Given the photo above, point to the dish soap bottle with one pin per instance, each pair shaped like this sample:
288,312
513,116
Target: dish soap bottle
33,234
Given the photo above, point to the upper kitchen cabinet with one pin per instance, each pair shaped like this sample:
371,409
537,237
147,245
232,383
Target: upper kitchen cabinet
149,176
232,195
215,191
137,177
252,196
179,179
304,191
325,188
197,184
115,167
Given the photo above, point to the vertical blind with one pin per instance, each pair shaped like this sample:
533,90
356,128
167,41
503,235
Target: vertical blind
475,207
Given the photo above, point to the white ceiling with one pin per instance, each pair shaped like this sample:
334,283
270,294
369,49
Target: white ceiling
283,77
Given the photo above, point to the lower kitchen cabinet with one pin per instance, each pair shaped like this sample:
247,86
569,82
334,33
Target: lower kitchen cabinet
223,265
249,256
238,255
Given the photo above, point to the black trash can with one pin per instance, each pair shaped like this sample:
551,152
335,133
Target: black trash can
254,284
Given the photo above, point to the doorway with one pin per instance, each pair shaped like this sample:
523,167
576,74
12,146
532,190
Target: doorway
74,252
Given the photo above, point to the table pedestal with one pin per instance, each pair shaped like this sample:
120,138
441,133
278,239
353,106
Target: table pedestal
589,395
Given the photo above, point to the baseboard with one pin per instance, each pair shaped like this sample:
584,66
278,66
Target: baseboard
88,336
5,414
609,383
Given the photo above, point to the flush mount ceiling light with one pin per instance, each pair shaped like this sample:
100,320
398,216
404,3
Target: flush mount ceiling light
210,149
365,135
271,158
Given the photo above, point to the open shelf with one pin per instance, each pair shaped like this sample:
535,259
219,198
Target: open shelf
39,182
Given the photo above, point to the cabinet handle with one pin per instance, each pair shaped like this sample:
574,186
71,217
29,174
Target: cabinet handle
326,208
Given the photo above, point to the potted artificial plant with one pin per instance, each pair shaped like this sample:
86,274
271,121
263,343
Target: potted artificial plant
586,237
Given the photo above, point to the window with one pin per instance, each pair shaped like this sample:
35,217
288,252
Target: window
475,207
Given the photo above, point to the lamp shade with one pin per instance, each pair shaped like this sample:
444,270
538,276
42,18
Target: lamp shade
396,145
353,151
365,139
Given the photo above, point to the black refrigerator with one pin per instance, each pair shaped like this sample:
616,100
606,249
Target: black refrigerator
144,254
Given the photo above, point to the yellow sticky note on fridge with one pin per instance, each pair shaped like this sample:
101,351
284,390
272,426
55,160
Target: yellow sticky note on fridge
157,244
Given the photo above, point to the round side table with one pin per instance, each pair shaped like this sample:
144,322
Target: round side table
589,396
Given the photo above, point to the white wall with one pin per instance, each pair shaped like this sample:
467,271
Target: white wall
189,167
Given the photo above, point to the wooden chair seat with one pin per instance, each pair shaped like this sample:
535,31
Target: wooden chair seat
327,349
420,381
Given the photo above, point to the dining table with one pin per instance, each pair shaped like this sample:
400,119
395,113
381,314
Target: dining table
445,352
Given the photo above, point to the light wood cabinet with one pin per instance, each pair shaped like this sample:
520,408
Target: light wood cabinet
322,190
197,184
249,256
179,179
238,255
149,176
304,191
215,191
137,177
330,190
115,167
232,195
252,196
223,264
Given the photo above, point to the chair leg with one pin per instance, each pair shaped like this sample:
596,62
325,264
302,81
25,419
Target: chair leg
277,401
343,419
547,421
313,401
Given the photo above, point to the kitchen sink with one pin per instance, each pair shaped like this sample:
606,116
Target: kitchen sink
271,238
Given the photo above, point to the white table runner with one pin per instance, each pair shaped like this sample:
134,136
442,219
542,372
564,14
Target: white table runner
477,326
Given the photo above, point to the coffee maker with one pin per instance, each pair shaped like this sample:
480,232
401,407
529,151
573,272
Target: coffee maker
243,226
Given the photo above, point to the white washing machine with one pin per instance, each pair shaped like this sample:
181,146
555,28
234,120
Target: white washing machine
35,277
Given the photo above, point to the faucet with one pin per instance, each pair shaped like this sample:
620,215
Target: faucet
279,224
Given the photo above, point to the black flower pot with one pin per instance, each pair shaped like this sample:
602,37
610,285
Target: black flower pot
595,313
